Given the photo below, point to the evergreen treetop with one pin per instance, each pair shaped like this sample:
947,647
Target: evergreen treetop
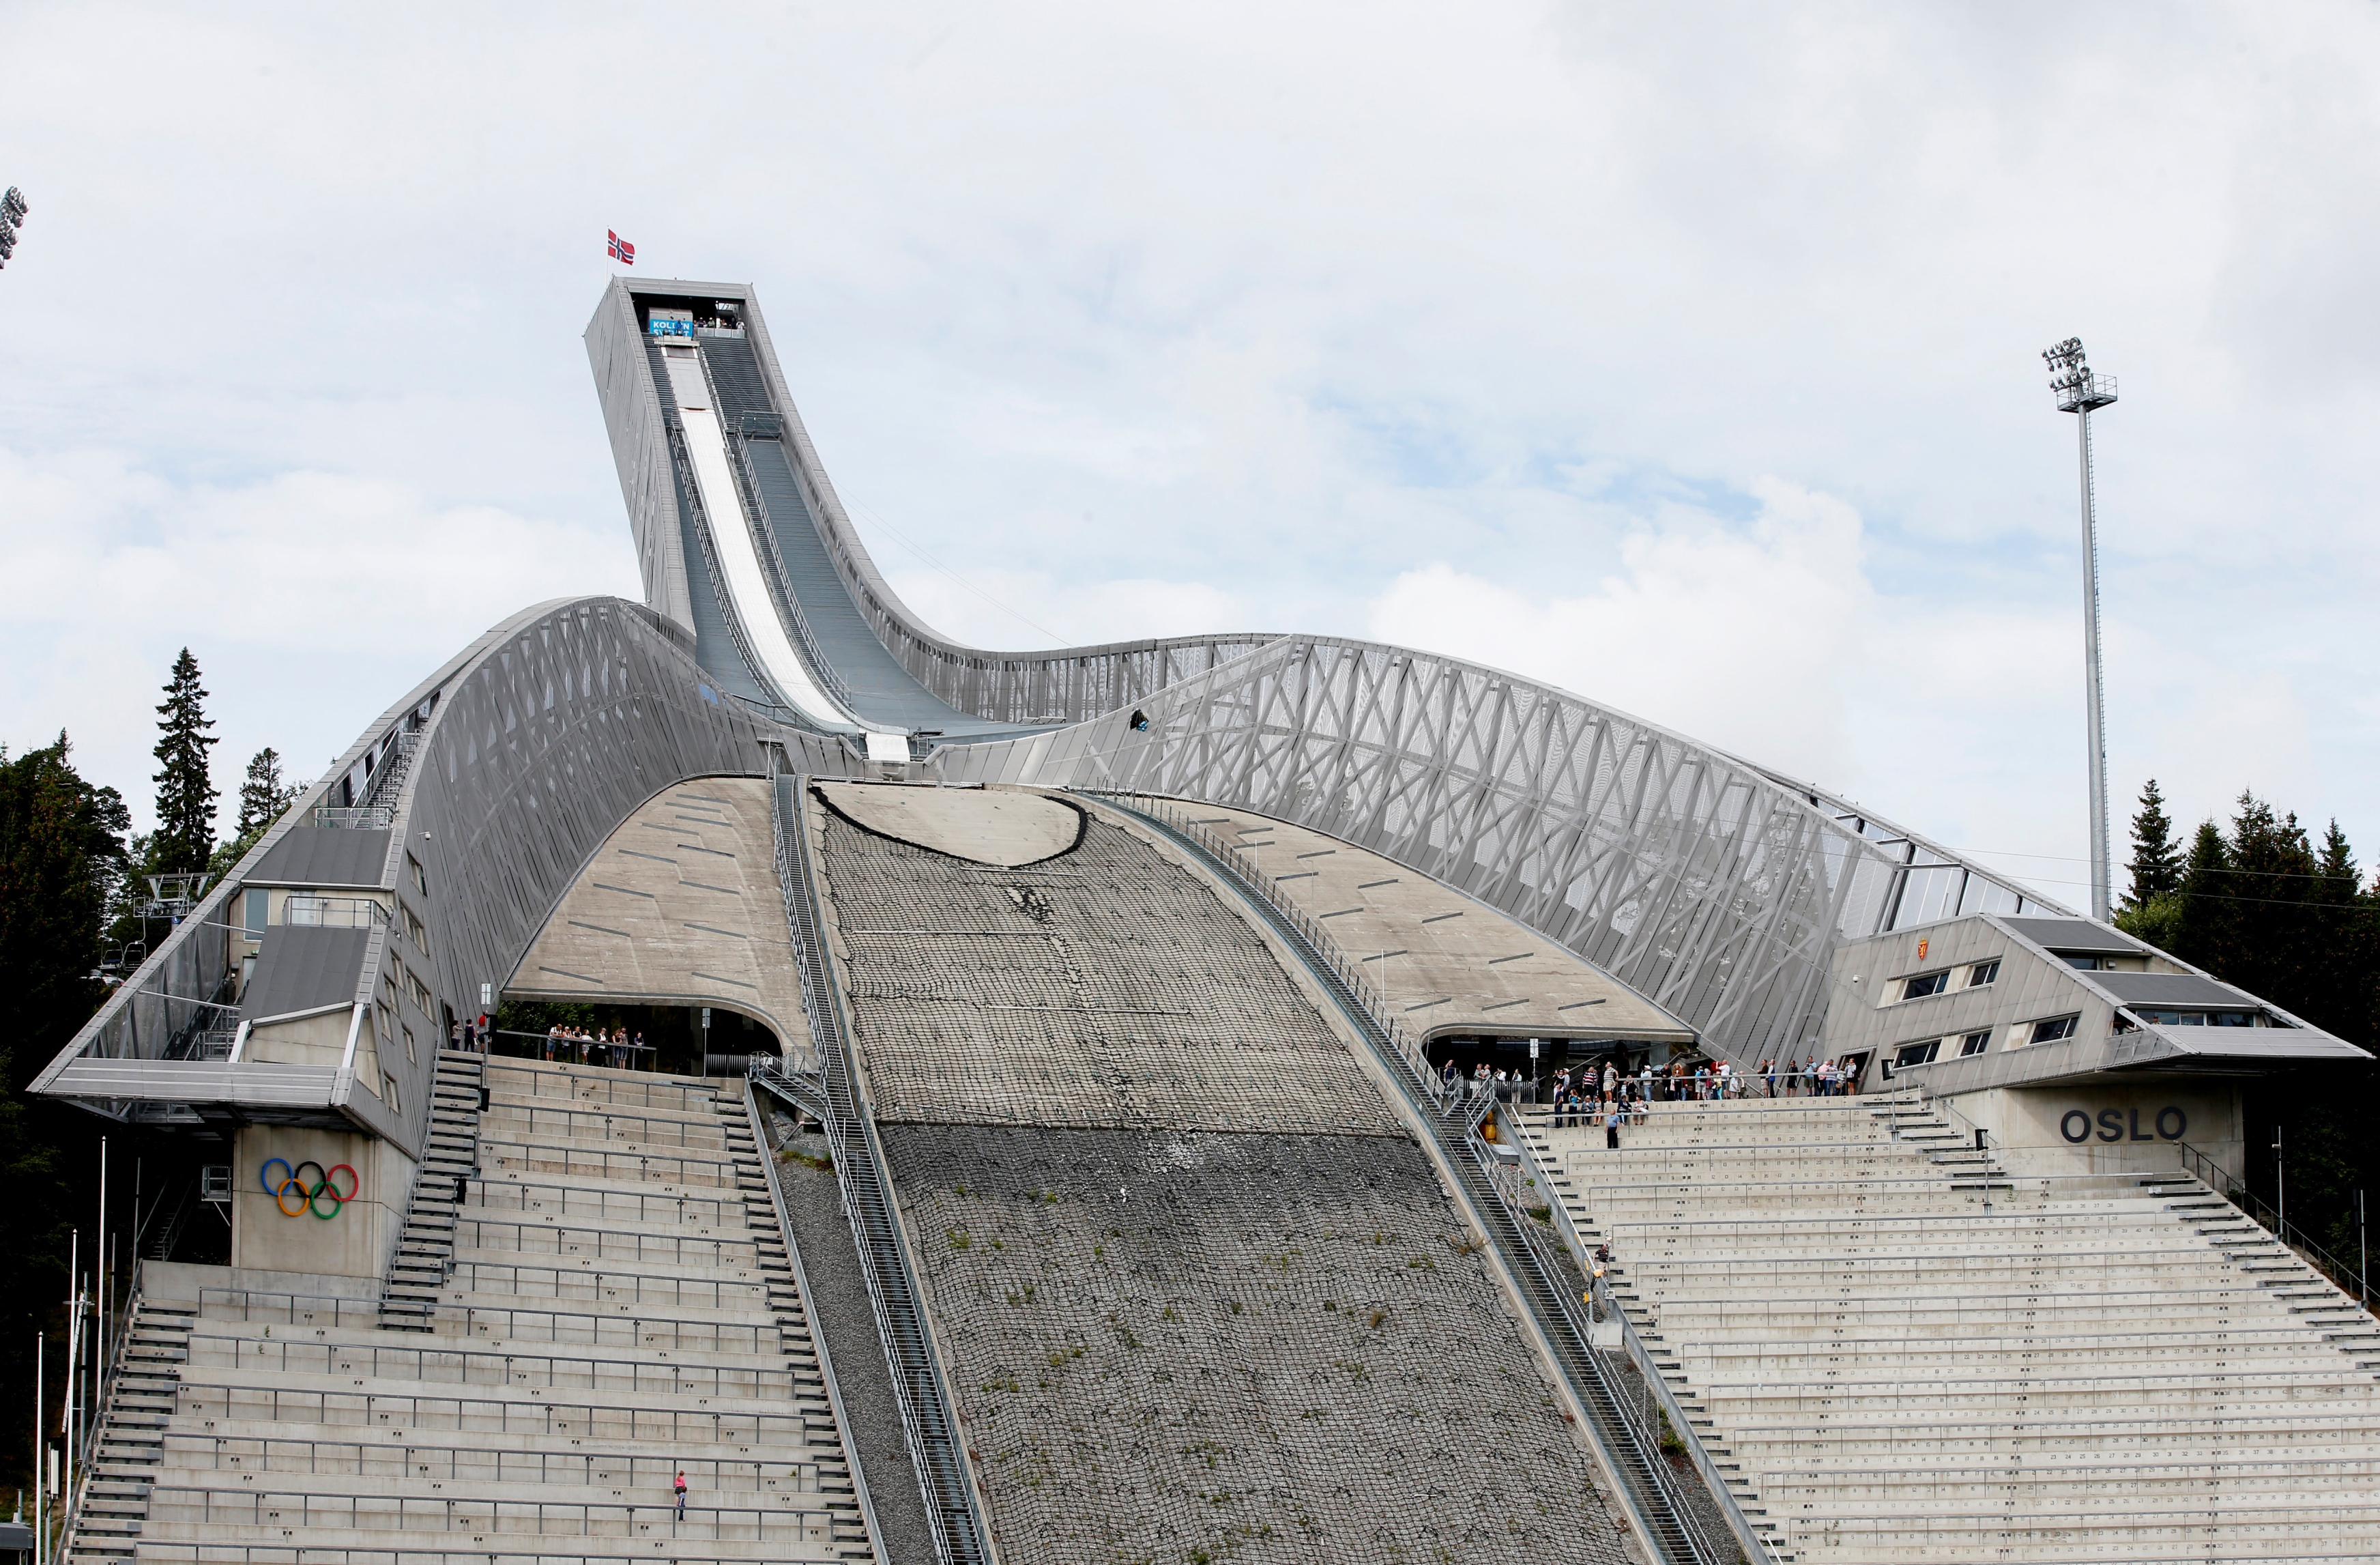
61,847
186,793
2156,862
264,795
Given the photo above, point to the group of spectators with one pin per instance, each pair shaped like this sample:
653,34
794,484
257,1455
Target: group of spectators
615,1048
1578,1092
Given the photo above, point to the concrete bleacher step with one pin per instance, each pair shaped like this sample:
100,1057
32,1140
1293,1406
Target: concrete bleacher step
625,1310
1817,1350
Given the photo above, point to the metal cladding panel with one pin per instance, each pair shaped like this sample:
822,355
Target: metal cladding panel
302,968
2169,989
1707,886
2078,934
532,745
191,1080
632,415
323,856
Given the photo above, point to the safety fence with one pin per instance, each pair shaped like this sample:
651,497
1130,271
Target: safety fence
416,1513
1653,1491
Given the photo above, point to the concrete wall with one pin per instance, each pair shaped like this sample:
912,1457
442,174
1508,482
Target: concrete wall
356,1242
2111,1127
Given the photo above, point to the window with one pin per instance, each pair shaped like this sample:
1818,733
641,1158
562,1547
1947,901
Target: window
1916,1054
258,899
413,873
409,1056
1974,1043
1983,973
415,933
2231,1018
420,995
2088,964
388,1093
1924,983
2054,1029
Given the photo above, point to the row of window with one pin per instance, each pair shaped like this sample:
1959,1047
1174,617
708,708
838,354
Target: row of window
1924,983
1927,1051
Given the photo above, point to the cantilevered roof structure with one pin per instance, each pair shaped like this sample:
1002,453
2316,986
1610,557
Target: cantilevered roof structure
1717,889
1094,1174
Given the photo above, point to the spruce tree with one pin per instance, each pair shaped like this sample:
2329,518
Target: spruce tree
2201,923
263,796
61,845
2156,862
186,794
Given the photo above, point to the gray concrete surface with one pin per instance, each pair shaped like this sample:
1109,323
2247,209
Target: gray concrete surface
1182,1346
989,825
680,906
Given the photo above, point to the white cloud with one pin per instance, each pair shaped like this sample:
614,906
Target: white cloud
310,600
1745,638
1131,316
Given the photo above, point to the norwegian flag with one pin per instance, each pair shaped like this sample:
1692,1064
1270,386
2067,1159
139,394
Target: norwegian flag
620,249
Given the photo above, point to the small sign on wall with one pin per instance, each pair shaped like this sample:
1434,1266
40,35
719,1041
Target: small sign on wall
1920,949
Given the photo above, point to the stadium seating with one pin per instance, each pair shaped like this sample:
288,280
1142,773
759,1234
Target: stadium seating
620,1309
1903,1351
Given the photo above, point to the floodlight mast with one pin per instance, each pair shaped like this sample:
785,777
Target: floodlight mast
2078,392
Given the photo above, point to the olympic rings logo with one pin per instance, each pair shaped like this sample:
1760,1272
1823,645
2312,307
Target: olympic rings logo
310,1194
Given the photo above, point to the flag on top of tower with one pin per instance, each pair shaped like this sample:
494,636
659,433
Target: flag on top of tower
621,250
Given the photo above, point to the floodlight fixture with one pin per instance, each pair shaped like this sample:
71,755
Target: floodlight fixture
2079,392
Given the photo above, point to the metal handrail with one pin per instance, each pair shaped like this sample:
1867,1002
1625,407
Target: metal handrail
952,1508
1647,1371
68,1517
2219,1181
1366,994
1461,1139
818,1333
789,607
1745,1536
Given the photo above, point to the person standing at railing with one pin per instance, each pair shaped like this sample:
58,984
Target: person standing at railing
681,1493
1611,1129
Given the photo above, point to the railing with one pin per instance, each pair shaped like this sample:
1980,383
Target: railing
333,913
756,513
1646,1423
825,1356
1629,1445
356,818
952,1511
1248,874
2354,1284
1647,1372
545,1046
117,1326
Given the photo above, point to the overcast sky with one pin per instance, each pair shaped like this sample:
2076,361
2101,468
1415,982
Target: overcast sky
1685,357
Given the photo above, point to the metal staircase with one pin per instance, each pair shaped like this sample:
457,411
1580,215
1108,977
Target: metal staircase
926,1412
425,1250
131,1445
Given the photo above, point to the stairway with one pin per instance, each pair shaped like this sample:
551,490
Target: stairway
132,1443
892,1285
425,1251
1659,1505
